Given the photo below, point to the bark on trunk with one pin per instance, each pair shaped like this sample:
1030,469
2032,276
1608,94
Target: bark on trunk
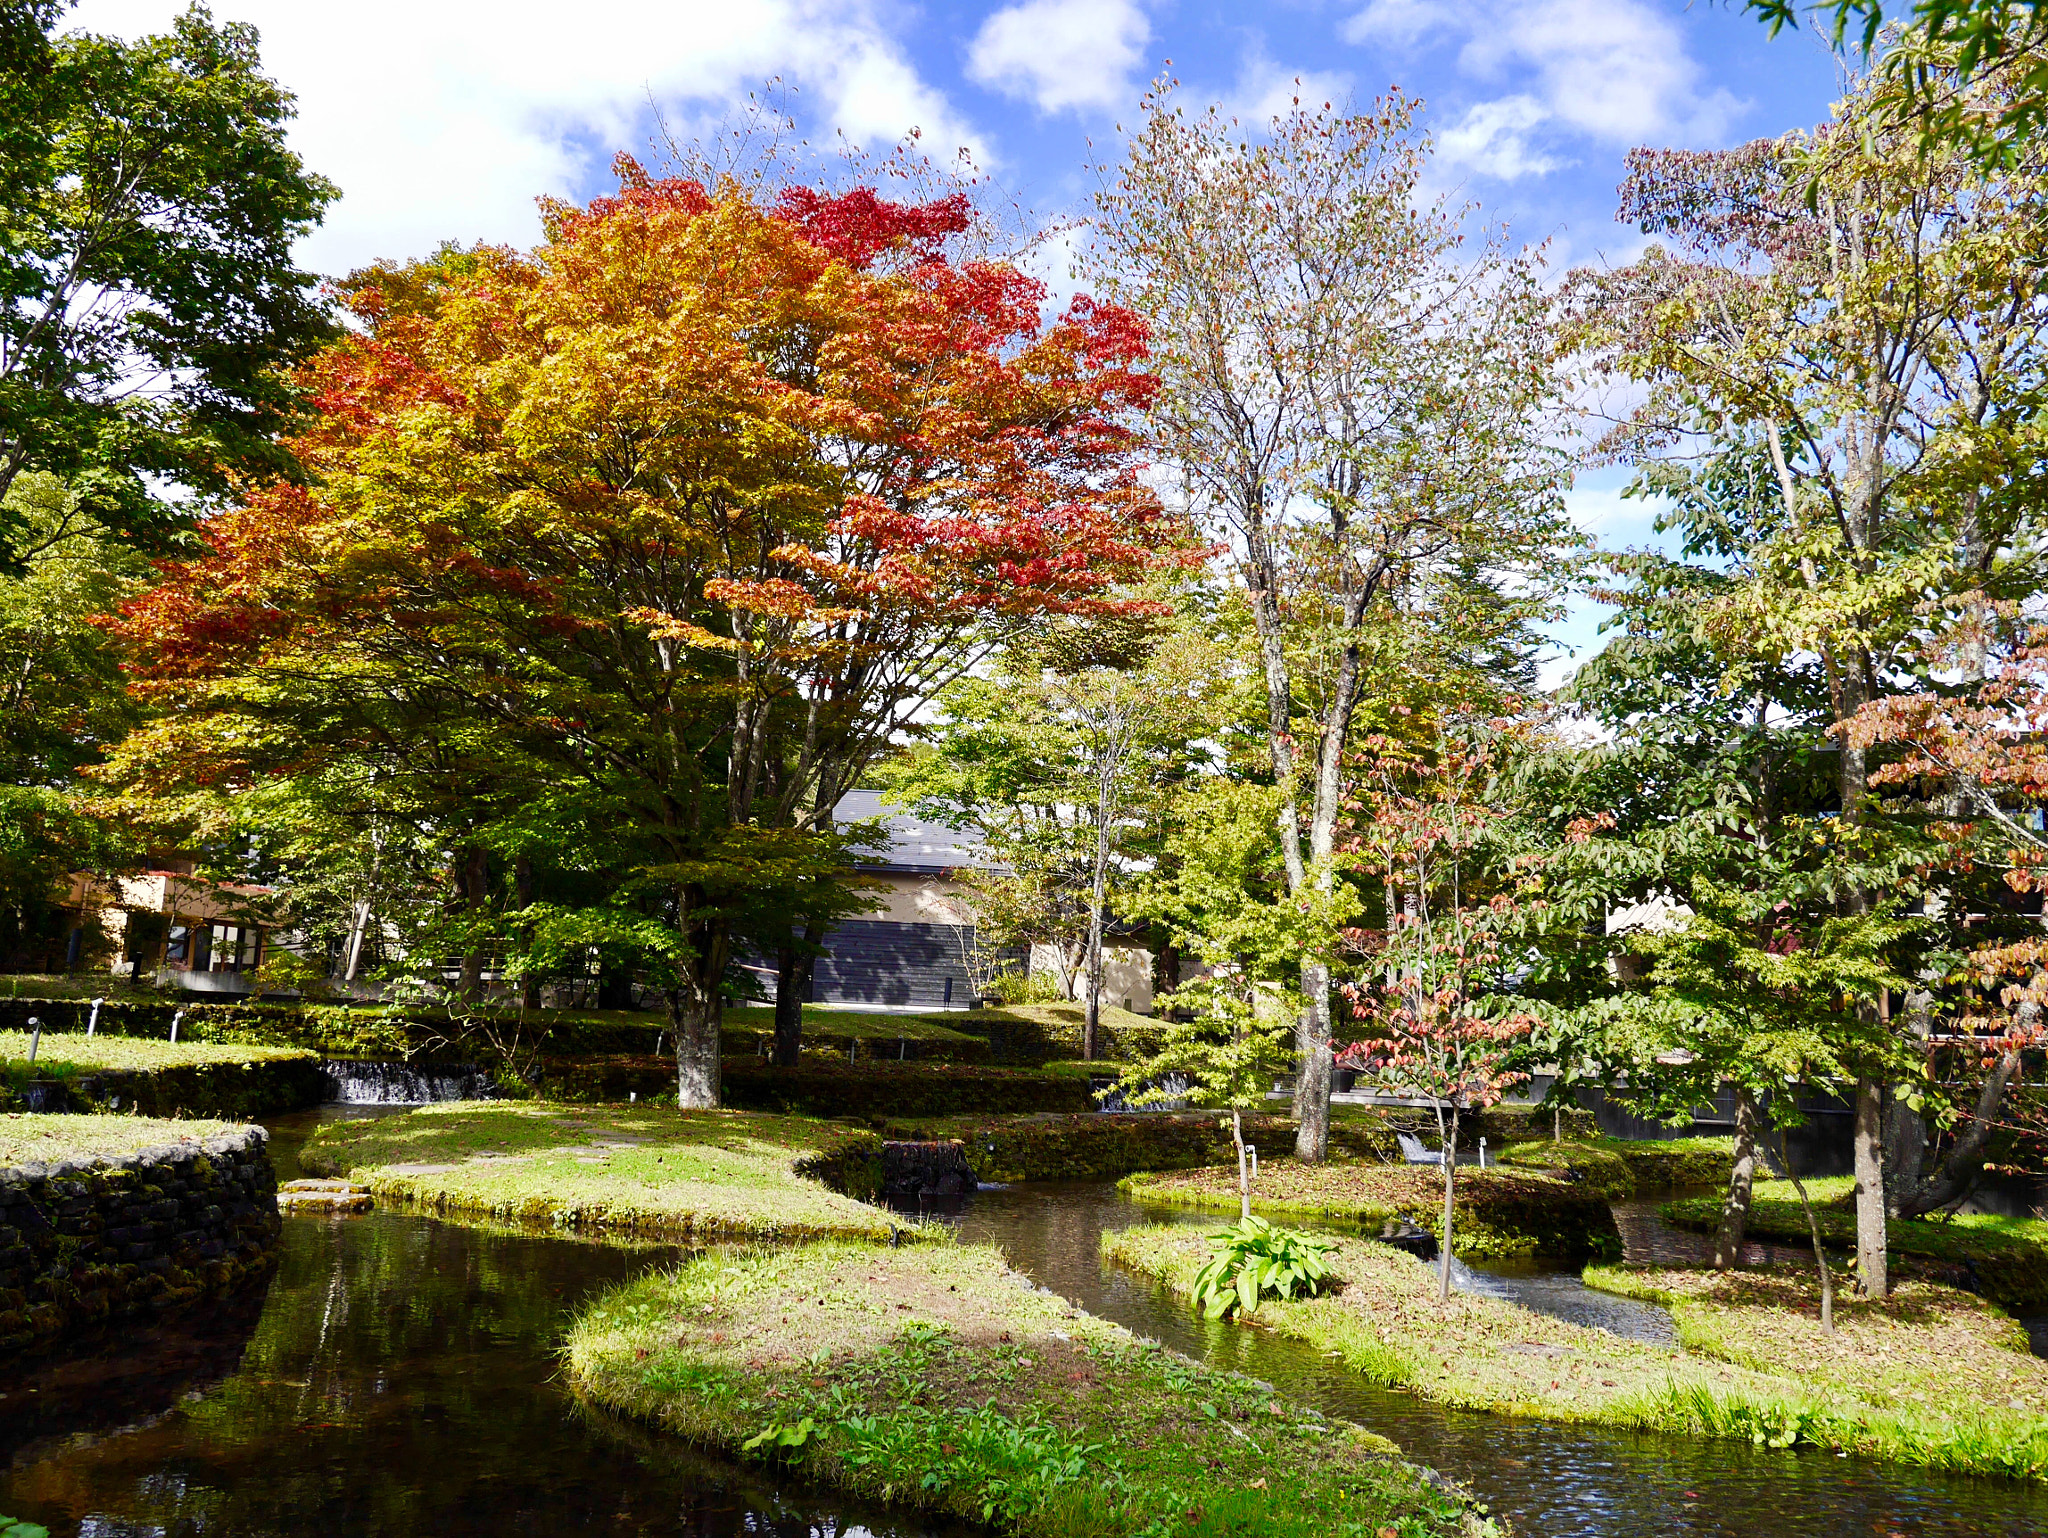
1450,1142
1872,1278
795,964
1091,1023
695,1018
476,880
1244,1179
1735,1206
1909,1194
359,924
1313,1067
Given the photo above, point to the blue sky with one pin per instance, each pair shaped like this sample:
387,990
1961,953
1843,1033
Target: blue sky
444,119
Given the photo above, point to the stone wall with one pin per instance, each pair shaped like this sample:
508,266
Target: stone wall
98,1237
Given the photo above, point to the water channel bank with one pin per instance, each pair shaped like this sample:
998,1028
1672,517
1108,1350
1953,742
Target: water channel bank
399,1376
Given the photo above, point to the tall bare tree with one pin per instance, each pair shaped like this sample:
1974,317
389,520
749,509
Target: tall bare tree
1354,399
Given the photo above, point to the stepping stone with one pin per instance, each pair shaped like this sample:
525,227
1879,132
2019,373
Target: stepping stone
322,1196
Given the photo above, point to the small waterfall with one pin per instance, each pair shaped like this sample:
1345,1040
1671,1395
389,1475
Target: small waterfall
1117,1102
358,1083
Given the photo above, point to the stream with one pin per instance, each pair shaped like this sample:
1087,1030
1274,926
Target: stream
397,1377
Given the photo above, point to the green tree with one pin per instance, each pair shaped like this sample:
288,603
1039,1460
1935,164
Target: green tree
63,703
1971,74
1226,903
1354,401
148,298
1062,760
1870,318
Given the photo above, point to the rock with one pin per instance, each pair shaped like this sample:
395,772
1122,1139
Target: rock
323,1196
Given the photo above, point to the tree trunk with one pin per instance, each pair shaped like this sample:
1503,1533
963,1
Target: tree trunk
1735,1206
1313,1067
522,893
1908,1193
1450,1143
795,965
1872,1277
359,923
694,1014
1820,1254
475,882
1244,1179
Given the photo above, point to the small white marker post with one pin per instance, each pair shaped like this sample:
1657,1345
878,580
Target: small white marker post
92,1021
1482,1153
35,1025
175,1018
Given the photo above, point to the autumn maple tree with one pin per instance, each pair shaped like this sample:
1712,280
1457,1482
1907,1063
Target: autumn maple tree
679,516
1437,1022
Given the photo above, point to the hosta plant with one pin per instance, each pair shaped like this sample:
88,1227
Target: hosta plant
1253,1258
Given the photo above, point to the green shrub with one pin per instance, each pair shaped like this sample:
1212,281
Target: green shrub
1252,1259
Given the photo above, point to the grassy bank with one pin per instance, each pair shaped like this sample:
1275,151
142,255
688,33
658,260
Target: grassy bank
615,1169
1499,1212
1615,1168
70,1050
159,1078
1780,1381
2004,1259
45,1139
937,1377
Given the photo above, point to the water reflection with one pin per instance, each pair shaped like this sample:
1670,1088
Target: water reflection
1550,1481
399,1379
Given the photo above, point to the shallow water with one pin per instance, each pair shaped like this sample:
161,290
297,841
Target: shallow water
1555,1481
397,1378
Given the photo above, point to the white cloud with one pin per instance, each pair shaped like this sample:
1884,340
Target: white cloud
444,119
1062,54
1265,90
1493,139
1617,70
1397,22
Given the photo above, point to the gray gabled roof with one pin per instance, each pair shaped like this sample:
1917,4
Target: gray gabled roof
915,846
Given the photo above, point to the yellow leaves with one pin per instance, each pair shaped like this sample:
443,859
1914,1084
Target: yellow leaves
667,627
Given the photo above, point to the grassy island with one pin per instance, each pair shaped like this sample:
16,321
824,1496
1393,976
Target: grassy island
622,1169
2005,1259
937,1377
1499,1211
1753,1366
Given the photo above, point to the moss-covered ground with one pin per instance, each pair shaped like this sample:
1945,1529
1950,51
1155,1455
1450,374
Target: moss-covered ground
635,1170
1755,1366
1616,1168
75,1051
28,1139
937,1377
1926,1347
1498,1212
2003,1258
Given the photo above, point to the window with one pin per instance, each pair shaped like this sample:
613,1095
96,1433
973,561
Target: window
233,948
